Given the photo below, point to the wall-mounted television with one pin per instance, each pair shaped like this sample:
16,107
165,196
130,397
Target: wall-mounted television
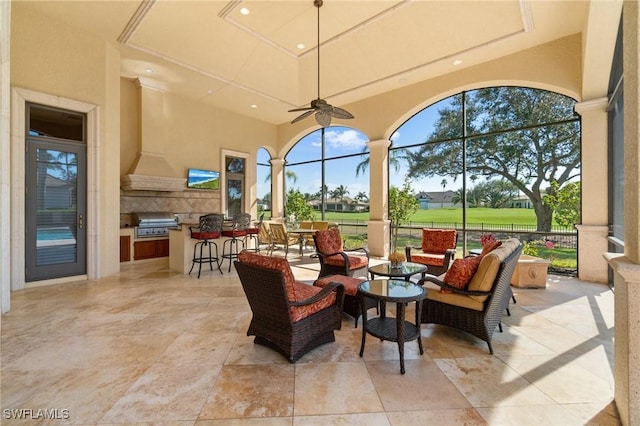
203,179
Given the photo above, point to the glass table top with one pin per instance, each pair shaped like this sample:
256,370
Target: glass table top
392,289
405,269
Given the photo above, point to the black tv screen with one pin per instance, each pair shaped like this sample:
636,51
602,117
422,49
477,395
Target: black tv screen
203,179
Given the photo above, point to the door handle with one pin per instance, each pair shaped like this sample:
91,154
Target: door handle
80,221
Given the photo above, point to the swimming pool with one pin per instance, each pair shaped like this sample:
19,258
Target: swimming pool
50,234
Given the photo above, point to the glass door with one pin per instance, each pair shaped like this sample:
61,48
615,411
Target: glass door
235,185
55,222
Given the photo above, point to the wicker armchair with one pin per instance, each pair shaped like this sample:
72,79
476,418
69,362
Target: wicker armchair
477,309
288,316
334,260
436,251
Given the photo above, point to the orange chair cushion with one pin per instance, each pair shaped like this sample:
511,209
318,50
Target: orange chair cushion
296,291
205,235
350,283
304,291
234,233
355,262
460,273
329,241
438,240
428,259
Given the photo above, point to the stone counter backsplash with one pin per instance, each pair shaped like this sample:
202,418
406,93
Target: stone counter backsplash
187,204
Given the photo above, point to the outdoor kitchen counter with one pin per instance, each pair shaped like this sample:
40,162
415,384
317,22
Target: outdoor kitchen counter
181,248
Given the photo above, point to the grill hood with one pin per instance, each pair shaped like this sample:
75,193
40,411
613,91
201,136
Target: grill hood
151,170
148,219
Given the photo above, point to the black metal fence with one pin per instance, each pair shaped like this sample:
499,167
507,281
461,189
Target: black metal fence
469,238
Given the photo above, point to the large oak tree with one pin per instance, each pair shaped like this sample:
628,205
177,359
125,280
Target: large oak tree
528,137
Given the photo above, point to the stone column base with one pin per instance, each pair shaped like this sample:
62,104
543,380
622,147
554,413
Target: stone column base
592,245
378,237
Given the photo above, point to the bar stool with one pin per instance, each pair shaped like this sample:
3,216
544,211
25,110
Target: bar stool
236,234
253,233
209,228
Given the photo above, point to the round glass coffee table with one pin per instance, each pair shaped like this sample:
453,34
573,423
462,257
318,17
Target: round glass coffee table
405,270
392,329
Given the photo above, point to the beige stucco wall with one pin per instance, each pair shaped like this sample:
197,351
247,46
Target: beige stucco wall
193,132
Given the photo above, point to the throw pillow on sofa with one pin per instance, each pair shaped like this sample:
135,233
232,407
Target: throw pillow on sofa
460,273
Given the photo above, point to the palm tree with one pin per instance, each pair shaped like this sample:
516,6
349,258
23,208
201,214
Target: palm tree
290,175
444,185
341,191
362,197
394,159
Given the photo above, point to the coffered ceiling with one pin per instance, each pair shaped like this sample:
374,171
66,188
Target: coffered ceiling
251,64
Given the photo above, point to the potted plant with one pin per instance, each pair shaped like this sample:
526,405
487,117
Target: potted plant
402,205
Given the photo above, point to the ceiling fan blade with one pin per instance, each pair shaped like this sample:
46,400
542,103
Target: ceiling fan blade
323,117
341,113
302,116
301,109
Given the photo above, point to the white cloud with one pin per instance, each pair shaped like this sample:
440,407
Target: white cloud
345,139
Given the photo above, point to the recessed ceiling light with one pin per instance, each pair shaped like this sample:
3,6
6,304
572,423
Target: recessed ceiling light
245,11
149,71
210,91
300,46
254,106
457,62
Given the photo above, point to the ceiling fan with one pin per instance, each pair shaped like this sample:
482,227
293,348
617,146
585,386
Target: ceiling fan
323,110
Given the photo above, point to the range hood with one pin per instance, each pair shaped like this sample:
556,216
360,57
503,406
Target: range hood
151,170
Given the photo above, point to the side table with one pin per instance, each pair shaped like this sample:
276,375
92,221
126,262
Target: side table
392,329
406,270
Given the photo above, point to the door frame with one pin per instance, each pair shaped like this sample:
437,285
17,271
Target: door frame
19,99
249,203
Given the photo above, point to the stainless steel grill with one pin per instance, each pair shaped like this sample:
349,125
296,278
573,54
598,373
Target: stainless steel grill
154,224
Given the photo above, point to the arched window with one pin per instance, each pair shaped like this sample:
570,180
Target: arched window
491,158
263,176
323,169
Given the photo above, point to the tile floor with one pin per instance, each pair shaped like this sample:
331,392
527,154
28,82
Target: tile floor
152,346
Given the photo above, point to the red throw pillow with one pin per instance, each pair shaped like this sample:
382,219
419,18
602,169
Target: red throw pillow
461,272
490,246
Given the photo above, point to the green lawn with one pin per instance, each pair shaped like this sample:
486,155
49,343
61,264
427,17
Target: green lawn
475,215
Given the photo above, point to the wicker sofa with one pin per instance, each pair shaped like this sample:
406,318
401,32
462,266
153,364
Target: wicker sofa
288,316
478,309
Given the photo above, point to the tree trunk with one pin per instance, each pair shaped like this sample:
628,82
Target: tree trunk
544,216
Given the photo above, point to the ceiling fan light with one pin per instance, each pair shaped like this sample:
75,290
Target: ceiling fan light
323,118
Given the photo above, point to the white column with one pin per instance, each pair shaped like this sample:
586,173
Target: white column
5,156
378,226
593,231
277,188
